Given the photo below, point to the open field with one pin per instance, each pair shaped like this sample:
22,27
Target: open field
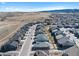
23,16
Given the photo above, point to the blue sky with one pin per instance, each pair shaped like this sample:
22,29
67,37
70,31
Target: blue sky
37,6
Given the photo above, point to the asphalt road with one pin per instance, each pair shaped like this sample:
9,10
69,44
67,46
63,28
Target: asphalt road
26,48
72,51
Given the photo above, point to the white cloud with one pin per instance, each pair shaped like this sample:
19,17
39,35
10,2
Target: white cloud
52,8
10,9
46,8
3,2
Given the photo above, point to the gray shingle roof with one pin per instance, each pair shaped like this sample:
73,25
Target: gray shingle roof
41,44
41,37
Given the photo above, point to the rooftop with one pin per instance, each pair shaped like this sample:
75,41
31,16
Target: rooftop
41,44
41,37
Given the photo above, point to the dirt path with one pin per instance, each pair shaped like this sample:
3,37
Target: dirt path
7,31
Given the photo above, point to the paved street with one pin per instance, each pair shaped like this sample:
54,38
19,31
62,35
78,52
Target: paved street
26,48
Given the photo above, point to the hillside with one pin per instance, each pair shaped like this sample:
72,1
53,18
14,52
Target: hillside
63,11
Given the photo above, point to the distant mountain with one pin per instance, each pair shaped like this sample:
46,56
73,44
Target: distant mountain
64,10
